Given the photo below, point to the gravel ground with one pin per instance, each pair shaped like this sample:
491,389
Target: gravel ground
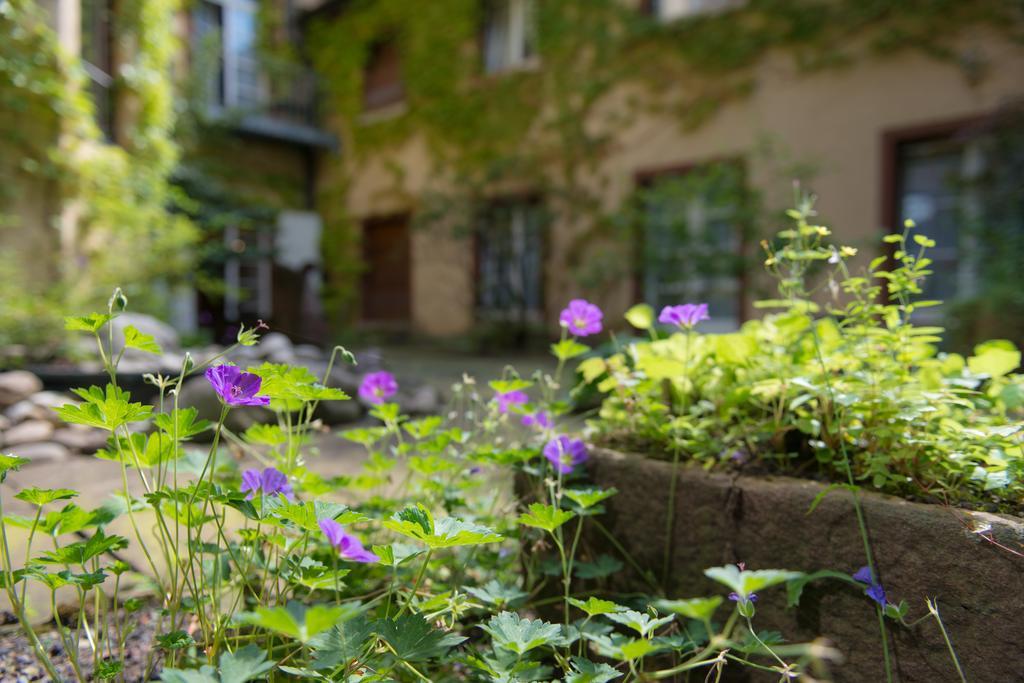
19,665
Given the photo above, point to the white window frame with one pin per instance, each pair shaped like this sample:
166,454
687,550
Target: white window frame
517,20
667,11
230,60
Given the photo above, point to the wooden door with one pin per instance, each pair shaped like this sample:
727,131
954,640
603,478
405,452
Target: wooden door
386,281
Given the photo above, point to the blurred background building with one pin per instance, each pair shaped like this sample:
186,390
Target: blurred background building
461,168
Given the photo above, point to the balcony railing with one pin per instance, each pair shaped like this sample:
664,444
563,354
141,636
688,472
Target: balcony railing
270,97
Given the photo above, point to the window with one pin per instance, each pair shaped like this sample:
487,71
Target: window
97,58
510,264
382,80
690,241
671,10
509,37
225,37
963,191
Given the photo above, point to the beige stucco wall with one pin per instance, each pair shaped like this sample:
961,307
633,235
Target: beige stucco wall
834,119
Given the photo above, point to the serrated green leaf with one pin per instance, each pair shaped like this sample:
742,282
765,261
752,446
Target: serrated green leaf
511,632
134,339
586,671
587,498
342,643
295,620
40,497
414,639
418,523
641,622
701,609
182,423
569,348
175,640
546,517
744,582
495,593
245,664
87,323
595,606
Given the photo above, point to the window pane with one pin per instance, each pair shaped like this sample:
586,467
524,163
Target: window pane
510,262
691,242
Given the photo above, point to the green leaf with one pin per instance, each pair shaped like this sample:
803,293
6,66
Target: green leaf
701,609
414,639
307,515
546,517
511,632
635,649
243,665
10,463
133,339
586,671
175,640
494,593
108,409
503,386
107,669
640,316
40,497
87,323
641,622
595,606
295,620
994,358
587,498
182,423
205,674
829,489
604,565
418,523
341,643
293,385
568,349
745,582
81,552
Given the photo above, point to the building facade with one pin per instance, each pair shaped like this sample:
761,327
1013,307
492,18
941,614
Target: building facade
640,168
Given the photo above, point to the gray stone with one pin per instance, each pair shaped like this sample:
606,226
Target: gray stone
27,410
5,423
338,412
17,385
29,431
41,451
51,399
422,400
308,352
164,335
274,343
921,551
81,439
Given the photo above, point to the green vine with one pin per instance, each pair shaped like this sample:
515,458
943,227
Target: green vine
536,125
111,200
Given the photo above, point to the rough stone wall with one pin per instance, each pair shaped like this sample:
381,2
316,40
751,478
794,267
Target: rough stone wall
921,551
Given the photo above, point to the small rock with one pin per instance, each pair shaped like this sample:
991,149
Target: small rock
5,423
274,343
41,451
308,352
29,431
85,440
25,410
423,400
164,335
50,399
17,385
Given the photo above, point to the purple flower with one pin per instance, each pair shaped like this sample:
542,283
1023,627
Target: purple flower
565,453
686,315
540,419
236,388
874,589
378,387
507,399
266,483
347,545
582,318
736,597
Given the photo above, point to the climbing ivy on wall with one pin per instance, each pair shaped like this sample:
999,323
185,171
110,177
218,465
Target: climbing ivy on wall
117,229
536,125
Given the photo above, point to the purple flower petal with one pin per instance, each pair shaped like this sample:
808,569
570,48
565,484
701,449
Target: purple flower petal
564,453
251,482
581,318
540,419
876,593
863,575
234,387
348,546
508,399
333,531
684,316
377,387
